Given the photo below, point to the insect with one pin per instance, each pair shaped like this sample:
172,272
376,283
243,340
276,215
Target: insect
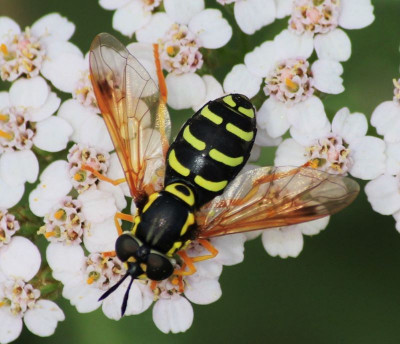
192,189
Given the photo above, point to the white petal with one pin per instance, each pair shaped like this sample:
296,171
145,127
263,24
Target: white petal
230,249
185,90
97,205
393,158
11,325
173,315
383,194
10,195
202,291
47,109
290,45
211,28
112,304
263,139
308,119
55,26
101,237
349,126
356,14
75,114
181,11
241,80
386,120
31,92
262,59
208,268
115,171
290,153
369,157
334,45
145,55
130,18
20,259
326,75
18,167
272,116
113,4
252,15
42,320
116,192
67,258
84,297
155,29
8,27
64,65
213,90
4,98
283,242
93,132
283,8
52,134
313,227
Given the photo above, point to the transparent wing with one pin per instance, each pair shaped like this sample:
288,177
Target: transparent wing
271,197
134,112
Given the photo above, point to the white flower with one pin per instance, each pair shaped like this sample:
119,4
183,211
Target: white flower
181,32
130,15
8,227
288,241
19,300
252,15
386,117
25,121
42,48
322,19
341,148
290,82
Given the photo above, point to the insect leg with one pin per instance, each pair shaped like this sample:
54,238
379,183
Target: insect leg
162,107
102,177
210,248
188,262
108,254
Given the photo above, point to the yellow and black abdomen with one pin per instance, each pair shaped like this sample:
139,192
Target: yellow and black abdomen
213,146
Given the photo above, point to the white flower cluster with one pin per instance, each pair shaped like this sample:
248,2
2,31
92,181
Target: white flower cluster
77,209
384,191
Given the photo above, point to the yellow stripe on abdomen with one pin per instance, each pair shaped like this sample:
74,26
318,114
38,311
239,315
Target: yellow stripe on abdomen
225,159
244,135
192,140
176,165
207,113
209,185
246,112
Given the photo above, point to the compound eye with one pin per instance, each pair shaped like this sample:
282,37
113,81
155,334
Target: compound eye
158,267
126,247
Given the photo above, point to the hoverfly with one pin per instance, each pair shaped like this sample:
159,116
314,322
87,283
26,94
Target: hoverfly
191,189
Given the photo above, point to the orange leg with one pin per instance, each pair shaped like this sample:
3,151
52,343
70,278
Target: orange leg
108,254
153,285
187,262
124,217
210,248
101,177
162,112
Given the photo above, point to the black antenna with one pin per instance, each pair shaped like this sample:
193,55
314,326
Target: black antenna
126,296
114,287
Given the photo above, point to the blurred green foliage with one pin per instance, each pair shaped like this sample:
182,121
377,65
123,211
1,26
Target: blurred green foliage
344,286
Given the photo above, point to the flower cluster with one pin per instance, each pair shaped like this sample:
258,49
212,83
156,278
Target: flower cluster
74,209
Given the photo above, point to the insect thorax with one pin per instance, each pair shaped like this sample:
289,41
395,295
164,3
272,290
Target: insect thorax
166,223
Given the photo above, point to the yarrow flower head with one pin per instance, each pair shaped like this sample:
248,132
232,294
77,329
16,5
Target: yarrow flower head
180,50
20,300
42,48
65,223
8,226
322,18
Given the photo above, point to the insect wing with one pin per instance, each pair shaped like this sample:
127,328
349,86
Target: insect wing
271,197
135,115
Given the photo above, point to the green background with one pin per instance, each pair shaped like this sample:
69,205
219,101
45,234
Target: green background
345,285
